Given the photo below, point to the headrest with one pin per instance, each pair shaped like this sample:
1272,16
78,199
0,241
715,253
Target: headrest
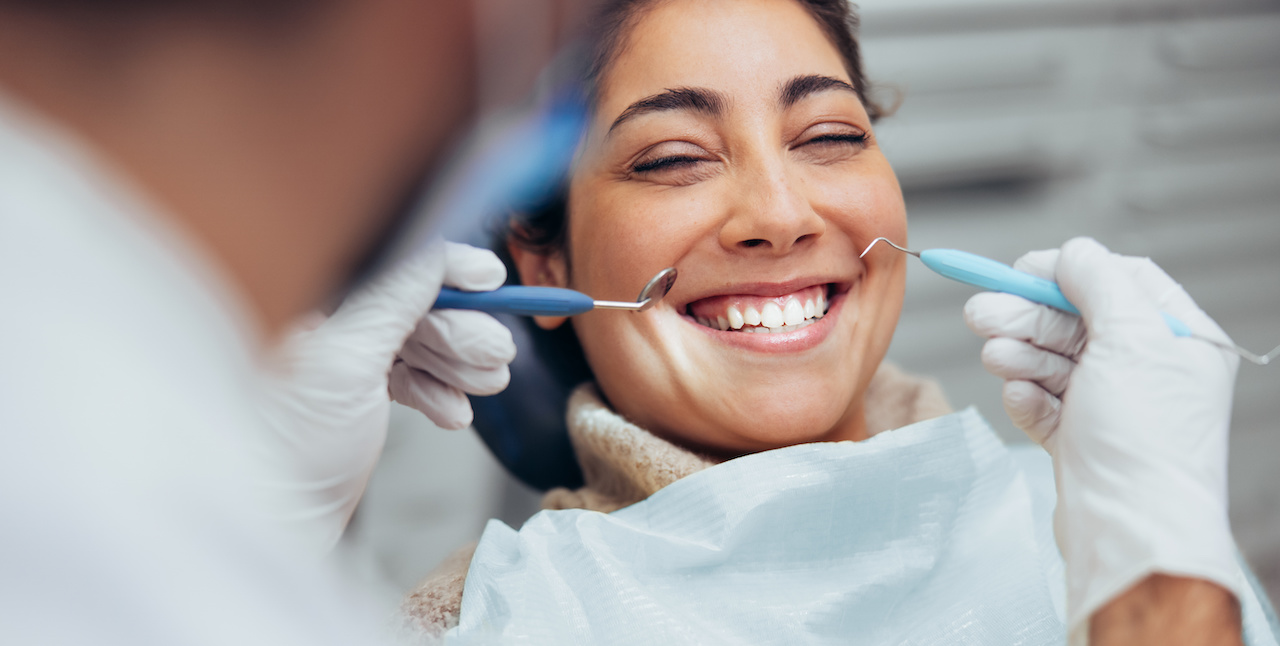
524,425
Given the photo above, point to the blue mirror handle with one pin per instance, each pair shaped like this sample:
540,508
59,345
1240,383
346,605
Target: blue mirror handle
988,274
519,300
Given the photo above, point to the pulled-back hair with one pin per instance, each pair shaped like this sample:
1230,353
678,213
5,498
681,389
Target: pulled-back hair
837,18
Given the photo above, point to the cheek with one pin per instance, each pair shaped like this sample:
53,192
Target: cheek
863,204
619,237
616,244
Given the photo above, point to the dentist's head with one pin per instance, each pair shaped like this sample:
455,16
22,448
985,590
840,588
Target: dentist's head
733,140
281,136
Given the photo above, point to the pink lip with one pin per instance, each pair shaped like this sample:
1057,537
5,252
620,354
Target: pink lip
800,340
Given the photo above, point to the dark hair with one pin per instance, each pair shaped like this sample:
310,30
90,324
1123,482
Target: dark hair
544,228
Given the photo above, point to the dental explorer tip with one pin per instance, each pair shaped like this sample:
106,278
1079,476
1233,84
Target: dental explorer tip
890,243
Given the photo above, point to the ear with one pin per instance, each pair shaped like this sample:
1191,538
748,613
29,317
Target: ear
539,269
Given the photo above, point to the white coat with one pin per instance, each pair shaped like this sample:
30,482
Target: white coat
128,462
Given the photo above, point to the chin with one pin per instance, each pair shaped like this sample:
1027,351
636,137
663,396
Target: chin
766,428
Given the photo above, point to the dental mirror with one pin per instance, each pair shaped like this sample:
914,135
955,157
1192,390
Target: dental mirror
653,291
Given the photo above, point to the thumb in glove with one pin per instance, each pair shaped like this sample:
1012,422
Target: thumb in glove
328,404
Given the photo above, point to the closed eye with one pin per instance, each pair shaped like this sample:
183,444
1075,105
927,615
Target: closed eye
841,138
828,146
665,163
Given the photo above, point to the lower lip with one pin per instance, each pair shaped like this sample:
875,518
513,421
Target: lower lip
782,342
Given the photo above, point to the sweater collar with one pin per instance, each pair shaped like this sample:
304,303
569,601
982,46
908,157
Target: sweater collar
623,463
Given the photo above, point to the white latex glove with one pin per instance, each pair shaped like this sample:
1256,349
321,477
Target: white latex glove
1135,418
328,406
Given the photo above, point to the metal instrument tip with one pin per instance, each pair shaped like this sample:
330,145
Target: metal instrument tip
1261,360
890,243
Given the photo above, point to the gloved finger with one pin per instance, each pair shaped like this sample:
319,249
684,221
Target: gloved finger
1018,360
464,337
467,377
473,269
1042,263
444,405
1032,409
992,314
1106,289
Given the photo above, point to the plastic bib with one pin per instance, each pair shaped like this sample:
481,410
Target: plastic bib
928,534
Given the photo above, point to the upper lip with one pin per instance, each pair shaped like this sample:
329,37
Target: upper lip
762,289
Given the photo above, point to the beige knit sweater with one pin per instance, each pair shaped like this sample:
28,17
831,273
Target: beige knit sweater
623,464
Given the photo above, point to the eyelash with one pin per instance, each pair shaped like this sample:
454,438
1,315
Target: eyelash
860,138
676,161
664,163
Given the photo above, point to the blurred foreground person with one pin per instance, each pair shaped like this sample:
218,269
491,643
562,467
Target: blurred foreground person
179,183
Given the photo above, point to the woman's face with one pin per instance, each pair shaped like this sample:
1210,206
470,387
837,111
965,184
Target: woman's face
728,143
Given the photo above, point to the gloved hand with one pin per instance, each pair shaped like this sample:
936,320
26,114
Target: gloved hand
1135,419
328,403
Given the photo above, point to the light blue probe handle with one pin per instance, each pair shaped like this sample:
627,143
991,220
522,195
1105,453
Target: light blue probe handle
518,300
996,276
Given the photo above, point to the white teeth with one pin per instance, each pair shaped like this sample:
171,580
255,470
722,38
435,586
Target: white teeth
735,318
771,315
793,313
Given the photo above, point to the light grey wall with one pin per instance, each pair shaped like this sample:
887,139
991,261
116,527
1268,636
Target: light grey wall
1151,126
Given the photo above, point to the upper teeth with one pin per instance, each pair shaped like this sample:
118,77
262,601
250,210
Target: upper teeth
770,317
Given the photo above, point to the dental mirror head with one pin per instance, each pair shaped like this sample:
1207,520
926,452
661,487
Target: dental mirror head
653,291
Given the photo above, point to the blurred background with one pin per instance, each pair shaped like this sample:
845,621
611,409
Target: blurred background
1151,125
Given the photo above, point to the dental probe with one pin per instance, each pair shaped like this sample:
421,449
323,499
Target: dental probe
551,301
986,273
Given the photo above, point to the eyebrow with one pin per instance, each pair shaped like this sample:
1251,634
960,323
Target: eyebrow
694,99
802,86
710,102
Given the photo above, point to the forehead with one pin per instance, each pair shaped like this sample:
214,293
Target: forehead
742,48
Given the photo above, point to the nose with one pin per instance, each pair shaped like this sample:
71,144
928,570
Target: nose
770,215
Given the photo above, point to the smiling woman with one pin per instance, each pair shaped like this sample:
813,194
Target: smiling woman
733,140
756,173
